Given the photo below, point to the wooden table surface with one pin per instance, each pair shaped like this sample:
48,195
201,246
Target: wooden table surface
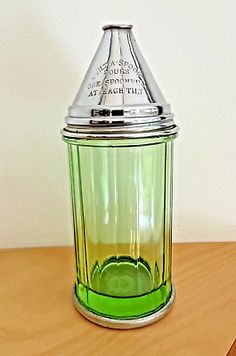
37,316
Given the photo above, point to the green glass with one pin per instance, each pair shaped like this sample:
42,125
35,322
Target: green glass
122,214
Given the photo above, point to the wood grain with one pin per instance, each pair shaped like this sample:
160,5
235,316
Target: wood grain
37,316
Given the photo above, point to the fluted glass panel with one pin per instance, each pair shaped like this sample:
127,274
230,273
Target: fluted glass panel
122,214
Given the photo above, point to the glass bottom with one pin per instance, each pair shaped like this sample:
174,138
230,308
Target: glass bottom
115,323
132,281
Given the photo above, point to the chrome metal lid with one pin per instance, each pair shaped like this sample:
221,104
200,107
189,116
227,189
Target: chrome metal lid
119,97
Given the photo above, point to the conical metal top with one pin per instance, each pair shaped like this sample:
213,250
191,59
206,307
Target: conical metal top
119,96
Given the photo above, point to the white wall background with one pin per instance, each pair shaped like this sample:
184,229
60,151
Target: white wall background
46,47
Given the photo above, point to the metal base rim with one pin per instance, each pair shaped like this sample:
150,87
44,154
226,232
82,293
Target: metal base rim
124,323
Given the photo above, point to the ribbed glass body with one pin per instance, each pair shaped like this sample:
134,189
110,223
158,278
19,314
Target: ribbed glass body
122,215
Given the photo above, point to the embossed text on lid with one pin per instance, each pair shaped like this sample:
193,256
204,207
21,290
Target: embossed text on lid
119,96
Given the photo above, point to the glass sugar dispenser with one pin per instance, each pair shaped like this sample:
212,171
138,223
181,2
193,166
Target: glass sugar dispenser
120,134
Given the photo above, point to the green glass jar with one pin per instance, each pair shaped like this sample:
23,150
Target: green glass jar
121,172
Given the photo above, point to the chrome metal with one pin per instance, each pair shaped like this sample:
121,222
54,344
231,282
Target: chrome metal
82,133
124,323
107,27
119,90
121,120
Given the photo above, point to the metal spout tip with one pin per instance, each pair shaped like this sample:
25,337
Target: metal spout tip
120,26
